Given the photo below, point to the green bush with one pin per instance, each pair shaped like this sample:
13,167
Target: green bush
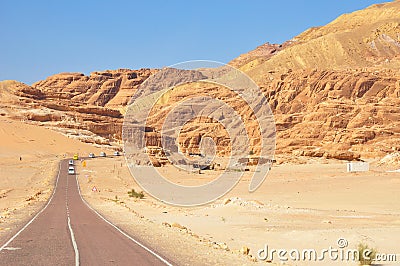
133,194
362,250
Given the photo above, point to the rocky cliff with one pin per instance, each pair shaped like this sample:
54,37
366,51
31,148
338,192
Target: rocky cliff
89,108
336,113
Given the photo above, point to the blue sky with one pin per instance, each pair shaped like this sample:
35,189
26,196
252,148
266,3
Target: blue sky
41,38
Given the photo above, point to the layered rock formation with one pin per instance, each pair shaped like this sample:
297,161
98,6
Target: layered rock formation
89,108
336,113
111,89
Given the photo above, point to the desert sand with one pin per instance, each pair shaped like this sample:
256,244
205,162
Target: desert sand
299,206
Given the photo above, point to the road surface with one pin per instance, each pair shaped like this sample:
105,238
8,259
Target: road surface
68,232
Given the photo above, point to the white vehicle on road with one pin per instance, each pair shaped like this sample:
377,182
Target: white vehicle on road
71,170
71,162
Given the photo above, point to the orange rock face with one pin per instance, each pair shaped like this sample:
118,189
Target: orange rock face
110,89
336,110
89,108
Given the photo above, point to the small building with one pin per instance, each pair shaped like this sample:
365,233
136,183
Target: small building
357,166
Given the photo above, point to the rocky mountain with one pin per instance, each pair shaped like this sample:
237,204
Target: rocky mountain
336,113
334,91
111,89
365,38
89,108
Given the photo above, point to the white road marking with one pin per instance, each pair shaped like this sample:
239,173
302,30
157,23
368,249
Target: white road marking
122,232
11,248
74,244
23,228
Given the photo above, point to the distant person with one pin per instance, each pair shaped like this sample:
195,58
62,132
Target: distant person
20,158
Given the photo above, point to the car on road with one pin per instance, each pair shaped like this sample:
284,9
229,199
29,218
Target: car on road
103,154
91,155
76,157
71,162
116,153
71,170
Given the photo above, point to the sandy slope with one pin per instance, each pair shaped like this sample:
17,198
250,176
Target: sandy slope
299,206
26,184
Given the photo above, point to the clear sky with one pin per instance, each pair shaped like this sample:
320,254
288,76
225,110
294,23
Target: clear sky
40,38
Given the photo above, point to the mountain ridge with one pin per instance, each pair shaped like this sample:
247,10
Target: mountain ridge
364,38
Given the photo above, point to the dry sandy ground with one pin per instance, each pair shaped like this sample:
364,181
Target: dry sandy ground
298,207
26,184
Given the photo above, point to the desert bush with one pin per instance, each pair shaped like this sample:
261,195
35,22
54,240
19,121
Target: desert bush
133,194
366,255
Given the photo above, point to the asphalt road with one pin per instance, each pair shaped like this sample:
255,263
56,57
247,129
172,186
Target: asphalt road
68,232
